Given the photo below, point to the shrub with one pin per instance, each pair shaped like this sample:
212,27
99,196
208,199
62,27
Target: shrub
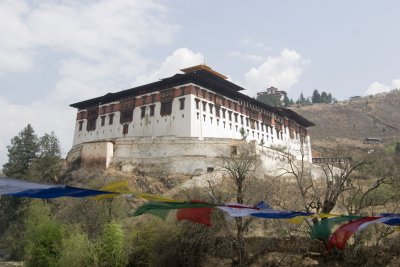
77,250
43,236
112,253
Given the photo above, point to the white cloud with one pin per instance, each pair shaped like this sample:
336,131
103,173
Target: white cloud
377,87
180,58
16,40
98,47
282,71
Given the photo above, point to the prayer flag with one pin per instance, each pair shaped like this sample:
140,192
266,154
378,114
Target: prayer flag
149,206
322,230
238,210
344,232
20,188
197,215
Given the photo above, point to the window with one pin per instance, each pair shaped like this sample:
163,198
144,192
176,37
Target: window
152,110
91,124
110,118
142,112
241,119
80,125
103,120
125,129
144,99
234,150
103,110
197,103
167,95
153,98
252,124
217,111
126,116
183,91
166,108
223,113
181,103
211,108
210,169
204,105
236,117
93,112
230,115
210,96
112,108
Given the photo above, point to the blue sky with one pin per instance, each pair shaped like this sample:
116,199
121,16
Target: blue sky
53,53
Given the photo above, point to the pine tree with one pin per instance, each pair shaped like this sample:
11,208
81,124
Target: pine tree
316,97
301,99
21,153
329,98
324,97
286,101
47,165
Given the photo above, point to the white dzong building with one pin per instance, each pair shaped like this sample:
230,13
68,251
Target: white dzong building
198,104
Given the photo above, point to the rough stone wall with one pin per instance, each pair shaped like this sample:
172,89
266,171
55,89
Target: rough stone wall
170,154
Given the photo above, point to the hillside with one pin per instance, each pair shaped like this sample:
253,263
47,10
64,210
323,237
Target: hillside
352,121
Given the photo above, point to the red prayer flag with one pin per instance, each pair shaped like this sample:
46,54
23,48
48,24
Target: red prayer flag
343,233
197,215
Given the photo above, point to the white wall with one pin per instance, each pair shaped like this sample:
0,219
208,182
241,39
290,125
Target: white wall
189,122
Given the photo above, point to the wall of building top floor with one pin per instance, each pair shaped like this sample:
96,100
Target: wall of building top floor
178,124
206,123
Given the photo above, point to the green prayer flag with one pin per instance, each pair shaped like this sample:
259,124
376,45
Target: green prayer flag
322,230
156,208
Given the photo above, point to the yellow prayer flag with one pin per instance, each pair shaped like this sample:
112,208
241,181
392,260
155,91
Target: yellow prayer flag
299,219
119,187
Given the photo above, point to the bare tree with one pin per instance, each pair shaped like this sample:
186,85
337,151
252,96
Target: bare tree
242,169
321,194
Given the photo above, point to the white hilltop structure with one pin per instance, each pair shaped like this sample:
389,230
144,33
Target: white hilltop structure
185,124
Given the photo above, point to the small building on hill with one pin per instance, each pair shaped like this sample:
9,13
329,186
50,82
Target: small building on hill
373,141
195,108
273,91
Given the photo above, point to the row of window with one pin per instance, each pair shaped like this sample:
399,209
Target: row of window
127,115
91,122
279,134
